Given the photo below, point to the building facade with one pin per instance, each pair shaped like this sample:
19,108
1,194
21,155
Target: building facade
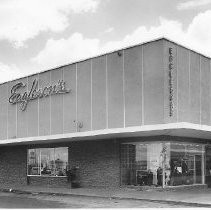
139,116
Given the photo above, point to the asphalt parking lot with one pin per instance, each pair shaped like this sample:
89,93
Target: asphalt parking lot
14,200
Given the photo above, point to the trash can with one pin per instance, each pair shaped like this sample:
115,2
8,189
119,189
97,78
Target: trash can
73,177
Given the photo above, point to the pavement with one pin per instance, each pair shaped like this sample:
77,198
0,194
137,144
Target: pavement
200,197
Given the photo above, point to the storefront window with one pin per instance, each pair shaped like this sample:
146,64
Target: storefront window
187,164
48,161
34,161
61,161
141,164
162,164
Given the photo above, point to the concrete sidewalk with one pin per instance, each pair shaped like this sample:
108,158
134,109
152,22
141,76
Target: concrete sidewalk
193,197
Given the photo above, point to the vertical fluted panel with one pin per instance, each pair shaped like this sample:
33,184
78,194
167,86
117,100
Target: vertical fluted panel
115,90
153,73
84,95
3,110
99,93
133,86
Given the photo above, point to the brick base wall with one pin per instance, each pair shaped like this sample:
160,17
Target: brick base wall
98,162
13,162
48,181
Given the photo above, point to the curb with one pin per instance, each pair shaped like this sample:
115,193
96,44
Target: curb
188,204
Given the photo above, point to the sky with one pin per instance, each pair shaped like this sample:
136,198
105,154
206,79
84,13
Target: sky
36,35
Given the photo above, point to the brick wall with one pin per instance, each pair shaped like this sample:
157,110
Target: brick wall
98,161
48,181
13,165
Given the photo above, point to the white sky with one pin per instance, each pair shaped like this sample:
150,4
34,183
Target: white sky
36,35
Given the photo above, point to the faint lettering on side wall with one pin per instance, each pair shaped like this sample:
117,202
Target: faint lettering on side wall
170,81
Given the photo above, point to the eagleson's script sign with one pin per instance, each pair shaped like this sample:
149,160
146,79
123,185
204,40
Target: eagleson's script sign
34,92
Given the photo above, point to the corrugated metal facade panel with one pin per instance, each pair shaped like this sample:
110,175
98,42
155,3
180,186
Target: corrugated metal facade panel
84,96
56,105
22,125
115,90
44,105
99,117
32,111
183,84
133,72
12,115
205,91
193,85
194,88
130,87
3,111
69,99
153,83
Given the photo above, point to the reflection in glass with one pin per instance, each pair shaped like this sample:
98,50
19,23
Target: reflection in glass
33,162
186,164
141,164
61,161
154,163
48,161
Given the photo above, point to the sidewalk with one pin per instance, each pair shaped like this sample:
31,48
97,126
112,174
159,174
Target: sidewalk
195,197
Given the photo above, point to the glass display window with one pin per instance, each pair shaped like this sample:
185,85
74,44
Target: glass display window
162,163
33,162
187,164
48,161
61,161
141,164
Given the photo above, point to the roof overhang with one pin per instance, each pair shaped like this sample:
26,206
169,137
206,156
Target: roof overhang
181,129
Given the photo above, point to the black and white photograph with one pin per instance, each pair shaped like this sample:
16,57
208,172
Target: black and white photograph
105,104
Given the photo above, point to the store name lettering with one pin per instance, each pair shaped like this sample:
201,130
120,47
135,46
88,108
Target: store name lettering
35,92
170,79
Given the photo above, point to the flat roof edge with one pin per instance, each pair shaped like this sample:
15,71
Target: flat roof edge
111,133
85,59
106,53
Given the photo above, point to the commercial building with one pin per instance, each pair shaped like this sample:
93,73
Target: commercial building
134,117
